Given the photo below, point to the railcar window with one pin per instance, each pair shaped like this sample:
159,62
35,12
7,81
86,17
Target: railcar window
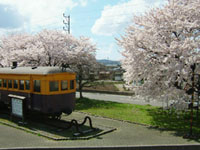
15,84
0,82
36,85
64,85
71,84
4,83
21,84
9,83
53,86
27,83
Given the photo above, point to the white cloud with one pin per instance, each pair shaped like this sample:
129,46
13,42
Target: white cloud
10,17
41,13
83,3
108,51
115,18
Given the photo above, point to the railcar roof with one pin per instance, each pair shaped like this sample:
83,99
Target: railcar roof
37,70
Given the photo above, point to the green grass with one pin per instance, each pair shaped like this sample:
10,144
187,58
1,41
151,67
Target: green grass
128,112
143,114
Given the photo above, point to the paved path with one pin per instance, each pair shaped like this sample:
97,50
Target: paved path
127,134
120,98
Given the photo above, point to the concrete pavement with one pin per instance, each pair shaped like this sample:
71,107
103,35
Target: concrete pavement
127,134
121,99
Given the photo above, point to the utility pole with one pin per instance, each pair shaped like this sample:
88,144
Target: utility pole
193,67
66,23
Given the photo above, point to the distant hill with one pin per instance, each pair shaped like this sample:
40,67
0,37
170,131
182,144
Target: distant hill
108,62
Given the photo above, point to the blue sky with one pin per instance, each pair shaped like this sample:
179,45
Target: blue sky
100,20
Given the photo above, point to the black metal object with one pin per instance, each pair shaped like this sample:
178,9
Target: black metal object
77,126
14,65
73,123
198,88
193,67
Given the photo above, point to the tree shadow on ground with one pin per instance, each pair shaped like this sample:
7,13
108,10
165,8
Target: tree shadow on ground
159,119
179,123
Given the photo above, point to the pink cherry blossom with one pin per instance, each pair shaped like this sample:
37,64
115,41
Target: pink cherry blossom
159,48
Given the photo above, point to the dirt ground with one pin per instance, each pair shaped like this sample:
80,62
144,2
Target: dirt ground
102,87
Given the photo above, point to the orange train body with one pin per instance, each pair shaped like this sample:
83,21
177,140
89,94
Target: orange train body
49,90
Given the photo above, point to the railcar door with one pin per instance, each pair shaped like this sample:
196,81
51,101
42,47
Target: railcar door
37,97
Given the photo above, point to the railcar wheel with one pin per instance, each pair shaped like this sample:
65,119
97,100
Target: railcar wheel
56,116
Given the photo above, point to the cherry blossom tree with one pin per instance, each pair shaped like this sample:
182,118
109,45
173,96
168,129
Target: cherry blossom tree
50,48
56,47
47,48
84,62
12,46
161,48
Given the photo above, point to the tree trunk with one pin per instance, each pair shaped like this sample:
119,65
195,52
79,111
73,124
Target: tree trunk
80,92
80,87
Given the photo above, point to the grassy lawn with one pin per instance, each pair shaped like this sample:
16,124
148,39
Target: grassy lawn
143,114
128,112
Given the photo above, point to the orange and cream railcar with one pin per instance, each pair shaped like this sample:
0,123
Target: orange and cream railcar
49,90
